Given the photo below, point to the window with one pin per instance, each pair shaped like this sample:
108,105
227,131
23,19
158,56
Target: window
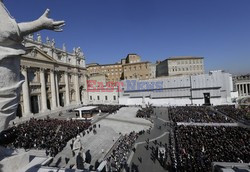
106,97
98,97
90,97
114,97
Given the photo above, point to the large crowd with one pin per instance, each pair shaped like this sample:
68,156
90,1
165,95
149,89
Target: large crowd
197,147
199,114
145,112
191,148
49,134
241,113
117,160
109,108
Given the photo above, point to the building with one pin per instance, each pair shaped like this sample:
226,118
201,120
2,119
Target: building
54,78
242,85
100,91
130,67
183,65
213,88
113,72
133,58
153,70
137,70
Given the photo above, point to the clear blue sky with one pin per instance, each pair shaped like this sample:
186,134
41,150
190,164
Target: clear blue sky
107,30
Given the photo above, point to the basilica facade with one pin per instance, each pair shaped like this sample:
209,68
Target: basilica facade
54,78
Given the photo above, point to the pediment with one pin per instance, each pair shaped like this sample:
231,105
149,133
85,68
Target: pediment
36,53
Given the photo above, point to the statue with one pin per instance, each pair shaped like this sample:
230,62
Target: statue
64,47
47,40
79,52
74,50
39,38
53,43
31,36
11,36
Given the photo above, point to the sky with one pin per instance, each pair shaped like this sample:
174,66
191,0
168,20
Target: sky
108,30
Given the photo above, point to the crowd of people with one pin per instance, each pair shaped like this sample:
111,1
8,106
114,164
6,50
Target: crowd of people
241,113
199,114
49,134
117,160
109,108
198,146
145,112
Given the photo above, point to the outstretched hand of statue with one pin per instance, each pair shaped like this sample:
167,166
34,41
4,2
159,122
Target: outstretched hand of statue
50,24
44,22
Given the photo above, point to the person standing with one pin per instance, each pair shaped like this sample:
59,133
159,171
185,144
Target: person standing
79,161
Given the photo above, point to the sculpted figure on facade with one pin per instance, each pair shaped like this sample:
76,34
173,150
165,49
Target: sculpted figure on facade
11,36
53,43
64,47
39,37
79,52
31,36
47,40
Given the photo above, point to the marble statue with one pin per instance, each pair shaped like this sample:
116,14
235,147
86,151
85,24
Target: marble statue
11,36
47,40
79,52
74,50
64,47
39,37
31,36
53,43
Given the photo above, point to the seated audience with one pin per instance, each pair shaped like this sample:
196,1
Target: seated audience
49,134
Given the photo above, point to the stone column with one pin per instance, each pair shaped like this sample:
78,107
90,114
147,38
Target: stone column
240,91
26,93
66,76
53,90
243,90
57,90
77,91
43,91
247,90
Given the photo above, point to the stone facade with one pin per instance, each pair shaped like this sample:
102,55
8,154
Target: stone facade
138,70
175,66
242,84
133,58
113,72
130,67
54,78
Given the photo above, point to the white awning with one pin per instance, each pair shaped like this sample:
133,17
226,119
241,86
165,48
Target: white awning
85,108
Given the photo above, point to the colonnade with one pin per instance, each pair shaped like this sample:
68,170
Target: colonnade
54,89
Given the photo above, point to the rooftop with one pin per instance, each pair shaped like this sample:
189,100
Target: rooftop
86,108
184,57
